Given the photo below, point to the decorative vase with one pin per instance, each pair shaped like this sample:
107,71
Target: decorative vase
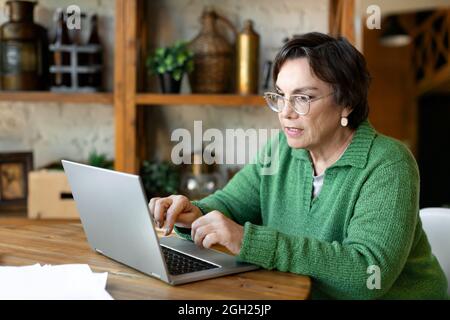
169,84
247,60
24,49
213,56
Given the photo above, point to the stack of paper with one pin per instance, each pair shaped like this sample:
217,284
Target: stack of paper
62,282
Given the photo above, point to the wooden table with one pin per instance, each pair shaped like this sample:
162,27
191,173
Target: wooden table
26,242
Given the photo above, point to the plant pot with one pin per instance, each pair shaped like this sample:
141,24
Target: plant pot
168,84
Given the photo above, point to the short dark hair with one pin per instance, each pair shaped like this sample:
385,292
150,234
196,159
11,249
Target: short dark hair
337,62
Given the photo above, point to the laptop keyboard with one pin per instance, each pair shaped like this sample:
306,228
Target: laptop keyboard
179,263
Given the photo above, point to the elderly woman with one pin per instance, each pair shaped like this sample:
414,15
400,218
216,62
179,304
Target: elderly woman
343,205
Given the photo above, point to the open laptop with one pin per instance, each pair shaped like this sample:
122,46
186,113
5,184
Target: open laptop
116,219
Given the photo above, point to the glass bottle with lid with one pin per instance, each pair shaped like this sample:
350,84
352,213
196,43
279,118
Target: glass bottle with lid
95,58
24,49
61,58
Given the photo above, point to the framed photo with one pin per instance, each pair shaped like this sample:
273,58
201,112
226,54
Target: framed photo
14,168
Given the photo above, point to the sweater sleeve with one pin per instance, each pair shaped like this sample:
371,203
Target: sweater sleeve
380,233
239,200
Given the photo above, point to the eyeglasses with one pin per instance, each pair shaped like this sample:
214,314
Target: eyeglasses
301,103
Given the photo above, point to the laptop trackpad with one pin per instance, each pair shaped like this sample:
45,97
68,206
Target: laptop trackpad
190,248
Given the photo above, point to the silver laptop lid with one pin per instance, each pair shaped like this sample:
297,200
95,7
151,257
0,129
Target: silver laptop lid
115,217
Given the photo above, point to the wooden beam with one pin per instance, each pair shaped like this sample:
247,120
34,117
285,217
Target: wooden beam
200,99
119,112
435,79
348,22
125,85
142,47
439,78
334,17
342,19
58,97
427,25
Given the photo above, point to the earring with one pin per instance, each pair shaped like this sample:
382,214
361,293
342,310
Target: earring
344,121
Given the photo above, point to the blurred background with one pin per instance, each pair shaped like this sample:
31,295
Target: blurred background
106,82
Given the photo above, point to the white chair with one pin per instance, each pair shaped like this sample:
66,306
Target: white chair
436,223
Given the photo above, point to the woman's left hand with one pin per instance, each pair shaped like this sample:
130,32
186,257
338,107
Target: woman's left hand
216,228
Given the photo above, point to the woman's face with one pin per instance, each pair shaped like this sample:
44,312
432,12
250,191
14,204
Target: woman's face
322,121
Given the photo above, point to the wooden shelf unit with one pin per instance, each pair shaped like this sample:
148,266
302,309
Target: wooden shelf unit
131,36
199,99
130,50
131,44
45,96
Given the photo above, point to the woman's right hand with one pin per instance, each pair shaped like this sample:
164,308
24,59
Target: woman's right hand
175,209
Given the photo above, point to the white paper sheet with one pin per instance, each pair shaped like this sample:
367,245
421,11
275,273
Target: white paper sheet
59,282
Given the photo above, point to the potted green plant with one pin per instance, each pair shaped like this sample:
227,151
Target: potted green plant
100,160
170,64
160,179
95,159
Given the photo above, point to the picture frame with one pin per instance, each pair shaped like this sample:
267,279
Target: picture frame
14,169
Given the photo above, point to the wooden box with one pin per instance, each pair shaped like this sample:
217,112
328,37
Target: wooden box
49,196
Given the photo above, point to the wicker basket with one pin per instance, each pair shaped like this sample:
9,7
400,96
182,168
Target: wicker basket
213,57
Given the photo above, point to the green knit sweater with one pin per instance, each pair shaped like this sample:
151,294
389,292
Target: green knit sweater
366,215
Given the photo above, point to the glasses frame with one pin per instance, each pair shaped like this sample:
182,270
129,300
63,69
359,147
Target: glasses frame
292,105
